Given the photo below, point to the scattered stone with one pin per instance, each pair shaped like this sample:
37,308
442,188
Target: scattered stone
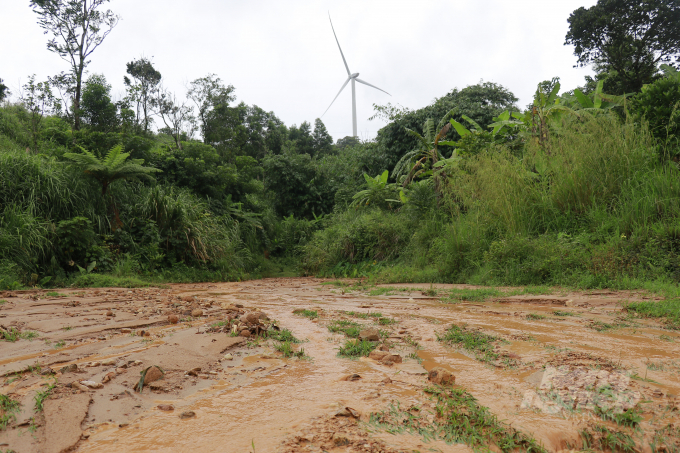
72,368
441,376
391,359
244,333
136,362
173,319
93,364
108,377
238,305
377,354
153,374
109,362
194,372
166,407
348,412
197,313
92,384
120,370
45,371
110,313
187,414
78,386
386,381
351,377
384,347
228,357
125,330
123,425
370,334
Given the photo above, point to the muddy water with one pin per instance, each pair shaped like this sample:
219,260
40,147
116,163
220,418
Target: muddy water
262,399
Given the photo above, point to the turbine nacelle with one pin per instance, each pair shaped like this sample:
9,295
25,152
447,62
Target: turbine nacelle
353,78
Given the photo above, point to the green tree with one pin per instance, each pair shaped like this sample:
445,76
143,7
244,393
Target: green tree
98,111
113,167
302,136
77,27
39,101
4,91
178,117
321,139
217,120
142,89
626,39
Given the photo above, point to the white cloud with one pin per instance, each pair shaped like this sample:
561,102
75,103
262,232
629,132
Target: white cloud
282,56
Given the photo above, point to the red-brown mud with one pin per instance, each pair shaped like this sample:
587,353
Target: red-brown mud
554,377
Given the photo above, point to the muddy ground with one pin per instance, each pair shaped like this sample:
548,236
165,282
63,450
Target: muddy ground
522,368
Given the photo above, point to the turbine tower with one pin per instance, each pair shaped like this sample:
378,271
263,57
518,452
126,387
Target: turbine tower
353,78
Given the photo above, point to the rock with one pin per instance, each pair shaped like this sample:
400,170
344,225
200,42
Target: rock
251,318
136,362
196,313
441,376
45,371
125,330
108,377
166,407
109,362
348,412
386,381
173,319
78,386
384,347
244,333
72,368
377,354
146,333
187,414
109,313
391,358
193,372
228,357
94,364
351,377
153,374
238,305
370,334
92,384
120,370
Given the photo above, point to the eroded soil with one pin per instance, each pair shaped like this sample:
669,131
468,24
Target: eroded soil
560,371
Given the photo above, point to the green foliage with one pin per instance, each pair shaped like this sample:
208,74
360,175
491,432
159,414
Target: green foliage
283,335
9,409
351,329
479,343
626,37
378,192
99,113
353,349
311,314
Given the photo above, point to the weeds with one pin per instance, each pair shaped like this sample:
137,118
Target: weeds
479,343
353,349
602,438
386,321
471,295
9,408
630,418
12,334
535,316
350,328
40,397
283,335
286,348
311,314
59,344
564,313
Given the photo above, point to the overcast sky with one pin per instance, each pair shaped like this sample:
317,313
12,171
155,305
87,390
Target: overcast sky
281,55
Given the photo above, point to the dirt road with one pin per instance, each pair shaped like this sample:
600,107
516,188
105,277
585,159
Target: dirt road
258,366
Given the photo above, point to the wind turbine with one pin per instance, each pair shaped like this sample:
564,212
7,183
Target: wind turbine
353,78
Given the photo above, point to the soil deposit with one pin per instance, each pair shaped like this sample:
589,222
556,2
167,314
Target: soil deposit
311,365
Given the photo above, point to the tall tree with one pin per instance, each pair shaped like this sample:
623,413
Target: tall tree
302,136
627,39
98,111
38,100
77,27
4,91
322,140
212,99
142,88
178,117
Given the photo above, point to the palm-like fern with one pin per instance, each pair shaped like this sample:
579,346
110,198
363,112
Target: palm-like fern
114,166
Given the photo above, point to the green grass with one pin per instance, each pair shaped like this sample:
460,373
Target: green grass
605,327
13,334
286,348
337,283
9,408
55,294
472,295
386,321
602,438
564,313
59,344
668,309
283,335
630,418
40,397
311,314
353,349
479,343
460,419
535,316
382,291
349,328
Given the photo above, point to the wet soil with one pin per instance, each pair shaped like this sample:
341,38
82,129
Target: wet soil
565,369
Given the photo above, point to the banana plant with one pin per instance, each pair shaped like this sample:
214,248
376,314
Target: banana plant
377,191
601,102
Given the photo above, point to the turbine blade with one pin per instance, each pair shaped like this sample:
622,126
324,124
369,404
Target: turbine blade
336,40
373,86
336,96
